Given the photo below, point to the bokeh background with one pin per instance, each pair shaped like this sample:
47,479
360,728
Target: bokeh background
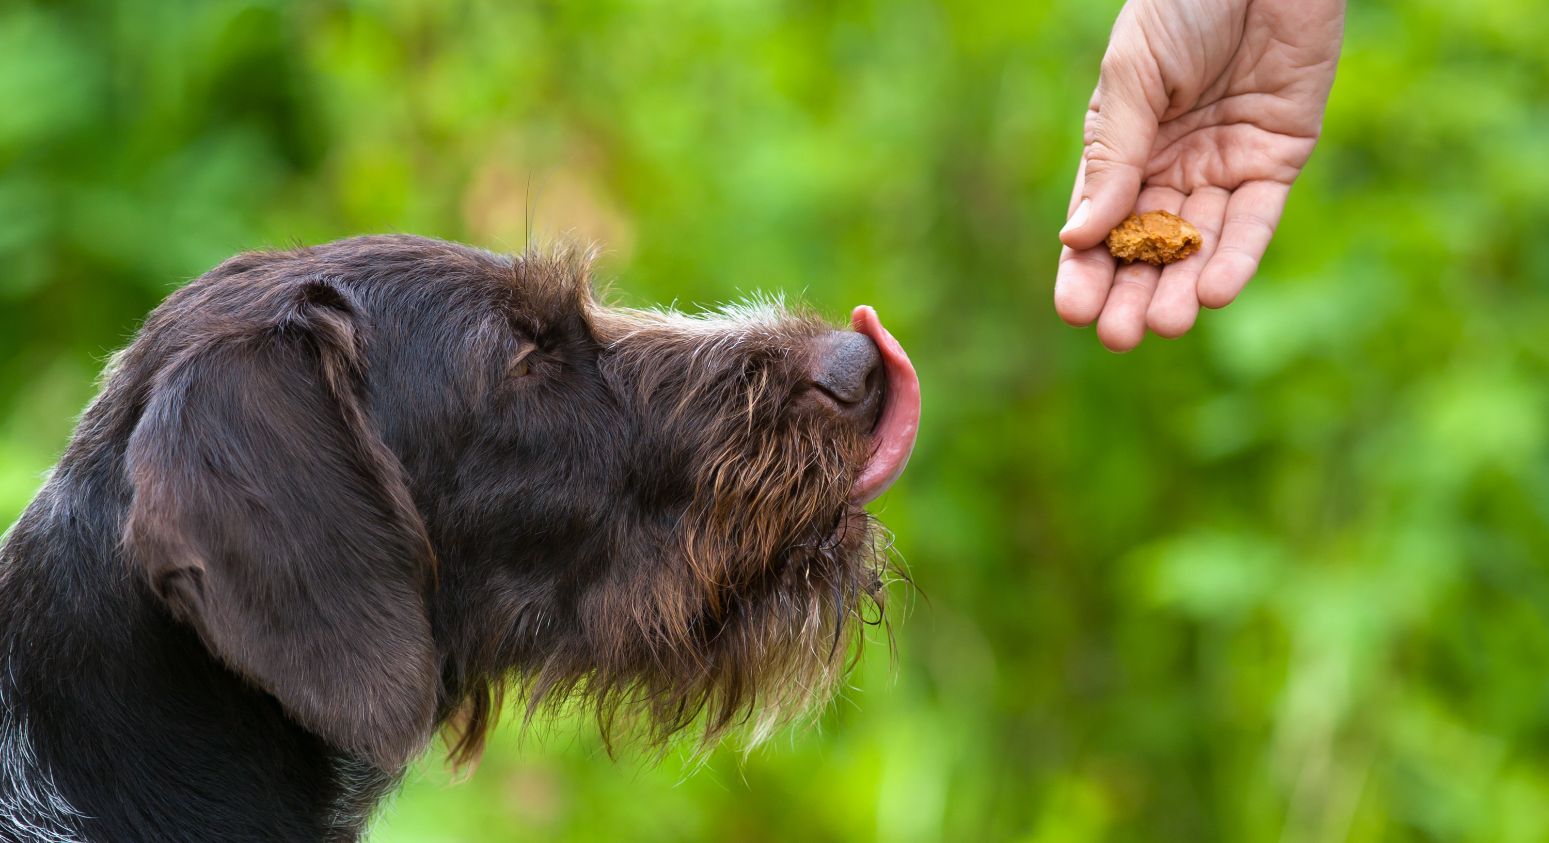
1285,579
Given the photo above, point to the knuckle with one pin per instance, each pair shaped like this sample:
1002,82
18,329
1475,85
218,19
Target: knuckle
1100,155
1114,64
1240,259
1257,225
1121,69
1089,127
1139,285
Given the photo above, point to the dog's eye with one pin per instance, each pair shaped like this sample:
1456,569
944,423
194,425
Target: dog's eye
521,367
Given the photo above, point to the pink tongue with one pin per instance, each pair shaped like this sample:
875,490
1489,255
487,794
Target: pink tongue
893,439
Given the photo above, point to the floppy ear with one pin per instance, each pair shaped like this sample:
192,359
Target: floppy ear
269,515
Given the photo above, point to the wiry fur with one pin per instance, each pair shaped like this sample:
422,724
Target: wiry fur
332,498
742,608
779,564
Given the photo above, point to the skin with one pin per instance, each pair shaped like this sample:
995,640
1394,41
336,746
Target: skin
1208,109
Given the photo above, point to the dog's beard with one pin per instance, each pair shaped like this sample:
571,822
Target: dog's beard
752,615
739,627
782,568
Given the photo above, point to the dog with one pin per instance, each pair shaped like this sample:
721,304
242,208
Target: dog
333,500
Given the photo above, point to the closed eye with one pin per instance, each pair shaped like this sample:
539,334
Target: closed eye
521,365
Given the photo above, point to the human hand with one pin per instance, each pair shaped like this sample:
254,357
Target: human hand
1207,109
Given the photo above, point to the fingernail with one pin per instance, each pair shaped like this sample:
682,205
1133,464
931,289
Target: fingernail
1078,219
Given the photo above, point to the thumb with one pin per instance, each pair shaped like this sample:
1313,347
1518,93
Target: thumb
1121,127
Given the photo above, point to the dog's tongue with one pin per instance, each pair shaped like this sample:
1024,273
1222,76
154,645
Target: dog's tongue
893,438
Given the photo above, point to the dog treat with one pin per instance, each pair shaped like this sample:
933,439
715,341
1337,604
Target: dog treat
1155,237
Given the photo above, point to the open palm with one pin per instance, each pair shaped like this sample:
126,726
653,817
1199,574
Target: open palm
1207,109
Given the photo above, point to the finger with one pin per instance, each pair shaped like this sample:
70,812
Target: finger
1251,216
1123,322
1082,281
1123,127
1081,284
1176,303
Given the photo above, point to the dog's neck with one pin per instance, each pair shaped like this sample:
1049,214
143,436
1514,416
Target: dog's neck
117,724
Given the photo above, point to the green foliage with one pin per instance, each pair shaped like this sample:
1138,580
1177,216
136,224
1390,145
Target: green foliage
1284,579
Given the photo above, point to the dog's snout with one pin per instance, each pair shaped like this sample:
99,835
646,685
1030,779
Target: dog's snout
847,368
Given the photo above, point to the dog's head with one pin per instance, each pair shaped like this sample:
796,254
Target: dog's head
382,477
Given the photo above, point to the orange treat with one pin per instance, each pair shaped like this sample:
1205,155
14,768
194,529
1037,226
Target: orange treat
1155,237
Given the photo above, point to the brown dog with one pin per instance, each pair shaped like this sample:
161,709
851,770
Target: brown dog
333,498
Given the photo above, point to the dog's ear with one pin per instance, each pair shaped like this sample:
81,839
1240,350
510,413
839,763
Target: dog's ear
269,515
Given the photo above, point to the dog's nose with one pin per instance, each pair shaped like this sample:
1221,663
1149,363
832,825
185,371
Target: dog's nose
848,368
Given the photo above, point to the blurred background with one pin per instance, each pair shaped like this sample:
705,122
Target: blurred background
1285,579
